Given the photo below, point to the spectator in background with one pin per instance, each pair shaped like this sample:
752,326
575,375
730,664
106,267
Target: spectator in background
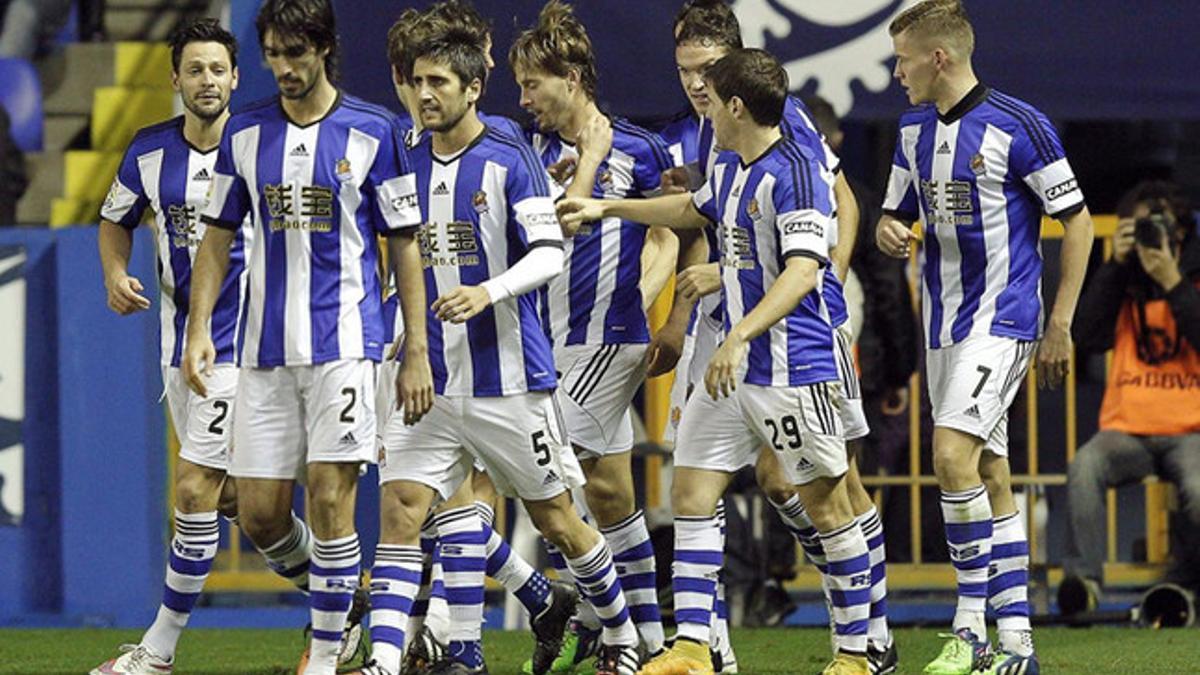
29,24
1144,305
13,178
887,343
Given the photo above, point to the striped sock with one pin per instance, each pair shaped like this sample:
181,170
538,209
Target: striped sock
872,529
188,563
289,557
597,579
720,616
1008,583
416,618
849,564
796,519
968,519
698,559
463,563
517,576
633,554
333,578
395,579
585,614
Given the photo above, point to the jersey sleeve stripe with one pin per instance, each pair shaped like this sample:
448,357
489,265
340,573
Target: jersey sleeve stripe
1037,135
654,141
800,175
525,152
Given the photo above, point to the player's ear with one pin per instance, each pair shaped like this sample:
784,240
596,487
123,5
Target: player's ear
233,82
175,80
573,80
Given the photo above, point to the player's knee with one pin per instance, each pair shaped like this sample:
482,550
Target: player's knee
195,492
264,528
608,501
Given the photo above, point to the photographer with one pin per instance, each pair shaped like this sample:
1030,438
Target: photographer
1144,305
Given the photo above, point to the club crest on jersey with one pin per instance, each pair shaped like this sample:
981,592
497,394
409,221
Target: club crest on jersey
605,179
978,166
479,202
752,210
343,171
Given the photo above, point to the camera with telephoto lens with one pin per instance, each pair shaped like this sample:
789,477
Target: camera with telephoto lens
1151,230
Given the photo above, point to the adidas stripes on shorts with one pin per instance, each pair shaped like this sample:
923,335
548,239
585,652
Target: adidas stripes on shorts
972,384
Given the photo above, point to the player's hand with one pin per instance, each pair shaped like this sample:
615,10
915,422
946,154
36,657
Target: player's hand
414,385
665,349
893,238
563,170
574,212
1123,239
199,354
595,139
1053,356
698,280
721,377
125,294
674,181
461,304
1159,263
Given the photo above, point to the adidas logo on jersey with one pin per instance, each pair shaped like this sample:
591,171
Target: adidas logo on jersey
804,465
944,148
551,477
202,174
972,412
299,151
441,190
348,439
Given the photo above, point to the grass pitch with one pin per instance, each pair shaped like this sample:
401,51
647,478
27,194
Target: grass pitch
760,651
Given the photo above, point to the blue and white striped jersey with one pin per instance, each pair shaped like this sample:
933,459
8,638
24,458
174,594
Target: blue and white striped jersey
164,172
318,195
597,299
681,137
797,125
979,178
776,207
483,209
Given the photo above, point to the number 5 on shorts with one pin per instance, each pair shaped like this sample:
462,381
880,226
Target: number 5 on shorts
540,447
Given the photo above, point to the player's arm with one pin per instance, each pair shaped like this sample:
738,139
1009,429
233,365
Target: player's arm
1055,350
673,211
208,271
124,291
667,344
893,233
594,144
847,226
659,254
798,278
414,385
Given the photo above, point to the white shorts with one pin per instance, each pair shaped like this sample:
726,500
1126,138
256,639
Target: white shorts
292,416
204,426
519,439
854,419
596,386
973,383
385,399
698,348
801,424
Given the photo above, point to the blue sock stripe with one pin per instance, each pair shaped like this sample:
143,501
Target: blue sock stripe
879,609
644,613
419,607
640,580
320,571
605,597
326,635
978,562
700,617
496,560
693,585
330,602
642,551
973,590
962,533
1003,582
388,634
695,557
191,568
617,620
853,598
852,628
389,601
1012,549
878,573
722,608
179,602
844,568
875,541
1013,609
463,595
392,573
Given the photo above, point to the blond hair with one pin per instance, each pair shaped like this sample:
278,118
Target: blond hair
557,45
943,22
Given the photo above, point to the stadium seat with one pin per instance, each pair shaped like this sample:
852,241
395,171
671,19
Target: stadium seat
21,96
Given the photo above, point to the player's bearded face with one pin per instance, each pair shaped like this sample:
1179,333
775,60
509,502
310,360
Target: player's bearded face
205,79
691,60
297,65
444,100
545,96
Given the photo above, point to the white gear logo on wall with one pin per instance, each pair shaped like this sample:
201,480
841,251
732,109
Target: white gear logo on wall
863,57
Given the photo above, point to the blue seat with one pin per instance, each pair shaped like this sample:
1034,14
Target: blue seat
21,96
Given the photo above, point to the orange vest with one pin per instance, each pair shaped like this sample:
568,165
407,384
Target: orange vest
1151,400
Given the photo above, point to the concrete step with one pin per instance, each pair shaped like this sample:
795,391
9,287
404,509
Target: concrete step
68,77
153,23
62,130
46,174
